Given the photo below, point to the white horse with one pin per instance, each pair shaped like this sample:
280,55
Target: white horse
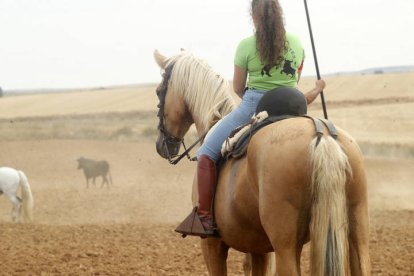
10,181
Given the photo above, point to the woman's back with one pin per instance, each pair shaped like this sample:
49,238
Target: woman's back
282,75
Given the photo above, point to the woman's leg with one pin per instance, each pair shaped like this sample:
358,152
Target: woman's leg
210,152
207,156
239,116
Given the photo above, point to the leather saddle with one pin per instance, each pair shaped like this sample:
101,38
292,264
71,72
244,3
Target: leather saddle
280,104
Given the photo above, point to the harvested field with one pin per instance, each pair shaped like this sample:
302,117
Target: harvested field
128,228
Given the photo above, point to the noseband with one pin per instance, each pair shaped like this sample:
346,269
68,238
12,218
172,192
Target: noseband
168,138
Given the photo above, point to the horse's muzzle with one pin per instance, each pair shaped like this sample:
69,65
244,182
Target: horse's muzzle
165,148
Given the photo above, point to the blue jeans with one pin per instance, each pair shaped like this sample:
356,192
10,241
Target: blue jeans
239,116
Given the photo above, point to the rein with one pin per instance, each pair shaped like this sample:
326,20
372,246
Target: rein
168,137
174,160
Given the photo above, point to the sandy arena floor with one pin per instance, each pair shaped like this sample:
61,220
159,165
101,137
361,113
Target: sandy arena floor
128,228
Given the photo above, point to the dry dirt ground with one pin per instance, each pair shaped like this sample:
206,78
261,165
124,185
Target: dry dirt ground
127,229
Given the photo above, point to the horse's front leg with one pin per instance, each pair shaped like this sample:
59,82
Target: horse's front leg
215,254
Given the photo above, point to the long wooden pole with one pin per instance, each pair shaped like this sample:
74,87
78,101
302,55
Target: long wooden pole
325,113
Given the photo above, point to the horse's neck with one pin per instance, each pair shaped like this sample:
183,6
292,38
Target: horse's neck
219,110
206,93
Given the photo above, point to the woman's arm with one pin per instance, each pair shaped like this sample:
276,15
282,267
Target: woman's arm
312,94
239,80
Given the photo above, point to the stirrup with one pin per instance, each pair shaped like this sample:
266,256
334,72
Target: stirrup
192,226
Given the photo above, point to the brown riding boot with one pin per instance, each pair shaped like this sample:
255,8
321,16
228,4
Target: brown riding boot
200,222
207,179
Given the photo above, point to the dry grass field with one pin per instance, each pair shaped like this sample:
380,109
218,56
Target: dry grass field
128,228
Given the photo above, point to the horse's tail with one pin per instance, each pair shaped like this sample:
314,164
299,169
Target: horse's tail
329,219
27,198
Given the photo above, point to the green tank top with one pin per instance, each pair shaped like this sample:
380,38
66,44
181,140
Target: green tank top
286,74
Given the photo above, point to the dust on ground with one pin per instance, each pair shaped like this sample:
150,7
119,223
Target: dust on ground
128,228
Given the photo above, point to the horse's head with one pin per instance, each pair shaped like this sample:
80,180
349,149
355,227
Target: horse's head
174,116
196,94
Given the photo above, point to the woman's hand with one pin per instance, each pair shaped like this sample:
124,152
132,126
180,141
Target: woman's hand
320,85
313,94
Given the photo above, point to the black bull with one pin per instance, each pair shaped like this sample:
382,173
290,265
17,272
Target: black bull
93,169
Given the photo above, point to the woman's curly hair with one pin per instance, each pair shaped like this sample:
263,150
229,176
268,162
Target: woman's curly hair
270,32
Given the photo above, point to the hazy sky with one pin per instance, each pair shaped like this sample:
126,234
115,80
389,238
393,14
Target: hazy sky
83,43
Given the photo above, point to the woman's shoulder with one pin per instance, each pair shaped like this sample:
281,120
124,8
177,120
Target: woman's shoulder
247,46
248,40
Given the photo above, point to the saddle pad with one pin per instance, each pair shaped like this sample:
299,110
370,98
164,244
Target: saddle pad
236,134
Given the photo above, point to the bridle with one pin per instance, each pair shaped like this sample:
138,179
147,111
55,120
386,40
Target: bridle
168,138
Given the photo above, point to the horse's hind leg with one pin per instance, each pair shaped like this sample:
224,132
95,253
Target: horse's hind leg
359,240
259,264
16,209
358,221
215,254
286,237
247,264
104,180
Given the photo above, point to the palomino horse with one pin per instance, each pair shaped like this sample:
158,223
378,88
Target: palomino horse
290,188
10,181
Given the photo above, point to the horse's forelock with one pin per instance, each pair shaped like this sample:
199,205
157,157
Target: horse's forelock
206,93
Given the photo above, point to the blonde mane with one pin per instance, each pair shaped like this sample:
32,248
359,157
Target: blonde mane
206,93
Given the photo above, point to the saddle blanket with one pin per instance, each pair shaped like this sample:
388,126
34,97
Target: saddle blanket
234,137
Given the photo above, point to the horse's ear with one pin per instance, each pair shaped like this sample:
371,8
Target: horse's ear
160,59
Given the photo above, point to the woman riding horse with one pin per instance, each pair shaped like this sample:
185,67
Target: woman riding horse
263,58
298,182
